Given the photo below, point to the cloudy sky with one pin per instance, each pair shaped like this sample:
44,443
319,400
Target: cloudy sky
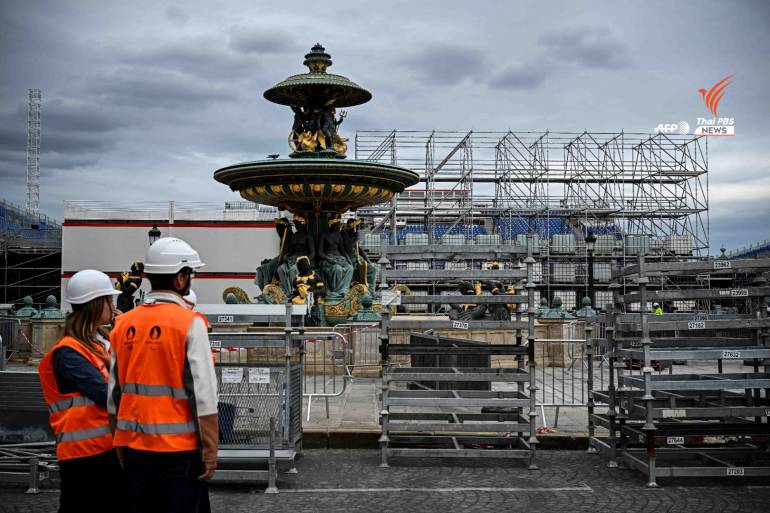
143,100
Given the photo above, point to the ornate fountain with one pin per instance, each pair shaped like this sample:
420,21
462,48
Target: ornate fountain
317,184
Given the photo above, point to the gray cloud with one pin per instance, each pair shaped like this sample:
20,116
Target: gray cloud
205,57
446,64
174,13
592,47
519,77
258,40
150,87
150,92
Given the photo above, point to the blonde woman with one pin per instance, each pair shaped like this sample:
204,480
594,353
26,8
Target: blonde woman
74,376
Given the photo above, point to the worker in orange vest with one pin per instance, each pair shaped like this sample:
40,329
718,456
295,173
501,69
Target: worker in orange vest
74,375
162,393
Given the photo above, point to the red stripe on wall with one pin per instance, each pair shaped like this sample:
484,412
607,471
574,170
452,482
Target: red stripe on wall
181,224
197,276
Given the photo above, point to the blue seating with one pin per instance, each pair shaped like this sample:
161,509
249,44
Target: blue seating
25,225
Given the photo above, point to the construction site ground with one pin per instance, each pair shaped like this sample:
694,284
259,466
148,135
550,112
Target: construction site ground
350,481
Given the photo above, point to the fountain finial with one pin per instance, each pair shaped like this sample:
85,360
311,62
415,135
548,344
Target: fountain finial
317,60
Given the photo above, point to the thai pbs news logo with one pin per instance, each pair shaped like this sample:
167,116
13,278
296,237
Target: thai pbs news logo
716,125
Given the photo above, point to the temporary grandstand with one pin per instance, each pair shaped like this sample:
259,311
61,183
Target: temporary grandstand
758,249
637,193
30,255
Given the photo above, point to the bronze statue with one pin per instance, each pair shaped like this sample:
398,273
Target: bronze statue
266,272
128,283
301,244
334,261
470,311
366,270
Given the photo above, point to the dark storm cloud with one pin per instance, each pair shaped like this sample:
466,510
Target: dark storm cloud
520,77
205,57
154,90
446,64
150,87
747,225
591,47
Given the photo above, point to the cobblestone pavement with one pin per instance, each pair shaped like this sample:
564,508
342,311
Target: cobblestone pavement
570,481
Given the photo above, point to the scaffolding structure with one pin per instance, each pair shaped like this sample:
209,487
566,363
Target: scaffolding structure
640,193
34,134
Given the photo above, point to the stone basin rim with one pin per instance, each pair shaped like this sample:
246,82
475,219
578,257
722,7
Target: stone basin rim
282,170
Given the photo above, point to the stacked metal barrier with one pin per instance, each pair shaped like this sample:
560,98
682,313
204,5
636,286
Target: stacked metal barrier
259,378
698,423
30,463
495,420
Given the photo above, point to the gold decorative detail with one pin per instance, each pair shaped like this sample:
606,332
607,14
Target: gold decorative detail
338,188
239,294
374,191
321,138
276,188
355,293
275,291
307,141
340,144
337,310
296,187
357,189
260,189
317,187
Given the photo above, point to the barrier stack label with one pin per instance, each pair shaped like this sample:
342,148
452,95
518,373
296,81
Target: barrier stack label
259,375
232,375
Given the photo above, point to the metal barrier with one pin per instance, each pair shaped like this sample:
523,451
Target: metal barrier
30,463
326,374
562,375
363,344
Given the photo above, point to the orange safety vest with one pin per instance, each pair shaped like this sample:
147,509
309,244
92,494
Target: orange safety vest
81,427
155,413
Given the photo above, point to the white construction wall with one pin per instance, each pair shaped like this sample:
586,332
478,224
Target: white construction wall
231,250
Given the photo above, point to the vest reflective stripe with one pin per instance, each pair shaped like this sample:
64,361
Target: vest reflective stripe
83,434
81,426
155,411
154,390
70,402
166,428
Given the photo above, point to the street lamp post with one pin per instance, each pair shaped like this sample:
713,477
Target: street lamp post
153,234
590,241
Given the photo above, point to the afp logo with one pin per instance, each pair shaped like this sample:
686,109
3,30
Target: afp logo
681,128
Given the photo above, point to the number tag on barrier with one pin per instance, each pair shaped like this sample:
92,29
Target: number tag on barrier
232,375
225,318
259,375
391,297
215,344
735,471
675,440
723,264
460,325
731,355
739,292
696,325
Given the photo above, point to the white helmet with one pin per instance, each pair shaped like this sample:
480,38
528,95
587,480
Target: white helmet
87,285
191,299
170,255
655,305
